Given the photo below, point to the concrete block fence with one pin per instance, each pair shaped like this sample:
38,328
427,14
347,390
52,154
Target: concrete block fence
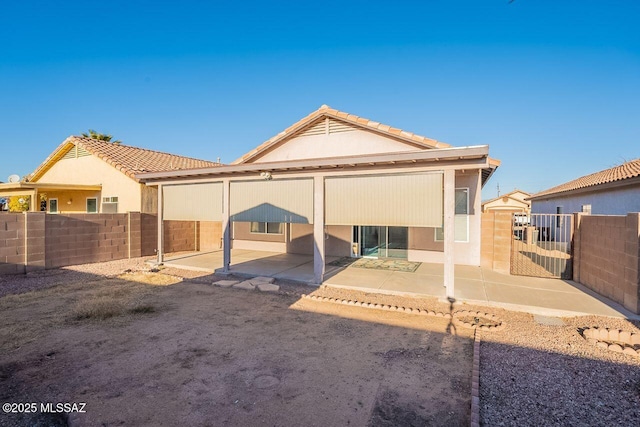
36,240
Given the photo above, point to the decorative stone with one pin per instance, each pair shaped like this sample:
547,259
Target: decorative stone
614,335
263,279
269,287
635,339
603,334
447,315
438,314
615,347
225,283
625,336
630,351
602,345
247,285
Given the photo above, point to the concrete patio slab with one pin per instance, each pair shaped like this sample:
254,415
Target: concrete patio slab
552,297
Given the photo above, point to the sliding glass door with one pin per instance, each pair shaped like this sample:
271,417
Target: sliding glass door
381,242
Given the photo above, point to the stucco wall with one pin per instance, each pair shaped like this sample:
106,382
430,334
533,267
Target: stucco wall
422,244
618,201
337,244
90,170
351,143
78,200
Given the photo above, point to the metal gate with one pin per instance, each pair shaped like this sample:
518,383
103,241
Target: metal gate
541,245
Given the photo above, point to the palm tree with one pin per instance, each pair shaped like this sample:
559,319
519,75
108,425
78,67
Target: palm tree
100,136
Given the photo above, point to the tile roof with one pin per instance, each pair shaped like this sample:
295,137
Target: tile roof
326,111
618,173
127,159
509,195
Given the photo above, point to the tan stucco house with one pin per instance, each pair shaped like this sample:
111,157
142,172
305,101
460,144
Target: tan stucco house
515,201
337,184
85,175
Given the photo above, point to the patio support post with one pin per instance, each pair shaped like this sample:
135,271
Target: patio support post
34,205
160,248
226,226
449,229
318,229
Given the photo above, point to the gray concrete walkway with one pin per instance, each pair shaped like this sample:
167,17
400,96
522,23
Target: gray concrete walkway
472,284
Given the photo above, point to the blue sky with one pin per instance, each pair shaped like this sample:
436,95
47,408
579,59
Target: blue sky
552,86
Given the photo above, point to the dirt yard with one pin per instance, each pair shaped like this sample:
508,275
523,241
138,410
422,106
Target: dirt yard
150,350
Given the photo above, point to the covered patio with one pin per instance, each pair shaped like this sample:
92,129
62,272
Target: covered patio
473,284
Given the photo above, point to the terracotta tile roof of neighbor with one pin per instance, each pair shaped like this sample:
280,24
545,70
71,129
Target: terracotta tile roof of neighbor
618,173
127,159
326,111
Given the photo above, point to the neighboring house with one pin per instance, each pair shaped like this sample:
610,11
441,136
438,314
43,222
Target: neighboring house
614,191
513,202
335,184
92,176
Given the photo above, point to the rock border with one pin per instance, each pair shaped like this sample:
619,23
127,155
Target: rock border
377,306
484,327
613,340
475,382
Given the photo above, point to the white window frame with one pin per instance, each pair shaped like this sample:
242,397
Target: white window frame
266,228
435,231
57,205
86,205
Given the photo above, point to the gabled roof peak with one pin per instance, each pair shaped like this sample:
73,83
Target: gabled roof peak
351,119
125,158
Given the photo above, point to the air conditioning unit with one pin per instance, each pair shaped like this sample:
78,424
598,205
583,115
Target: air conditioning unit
110,204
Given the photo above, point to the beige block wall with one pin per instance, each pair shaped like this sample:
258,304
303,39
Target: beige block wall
607,255
496,241
12,243
85,238
180,236
210,235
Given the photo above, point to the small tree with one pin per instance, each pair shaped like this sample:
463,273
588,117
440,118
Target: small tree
100,136
19,203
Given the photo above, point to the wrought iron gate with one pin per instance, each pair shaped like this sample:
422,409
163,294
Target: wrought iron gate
541,245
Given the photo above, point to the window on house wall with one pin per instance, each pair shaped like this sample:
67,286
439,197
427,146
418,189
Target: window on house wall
53,205
586,209
559,217
267,227
461,219
110,204
92,205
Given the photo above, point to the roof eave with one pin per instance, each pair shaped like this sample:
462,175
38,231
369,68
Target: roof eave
443,154
590,189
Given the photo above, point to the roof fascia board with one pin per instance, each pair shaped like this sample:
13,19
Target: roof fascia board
458,153
332,172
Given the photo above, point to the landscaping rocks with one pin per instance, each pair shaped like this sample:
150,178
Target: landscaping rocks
247,285
268,287
225,283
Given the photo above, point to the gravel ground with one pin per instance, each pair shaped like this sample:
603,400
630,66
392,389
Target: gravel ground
21,283
531,374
